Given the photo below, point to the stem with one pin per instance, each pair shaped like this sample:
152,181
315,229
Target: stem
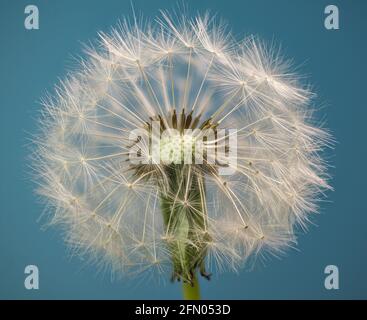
185,227
191,291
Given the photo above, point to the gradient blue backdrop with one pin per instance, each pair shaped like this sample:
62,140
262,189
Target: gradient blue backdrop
32,61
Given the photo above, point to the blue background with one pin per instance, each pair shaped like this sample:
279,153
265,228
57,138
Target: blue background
32,61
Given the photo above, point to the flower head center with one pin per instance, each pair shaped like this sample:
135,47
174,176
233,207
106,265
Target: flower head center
175,148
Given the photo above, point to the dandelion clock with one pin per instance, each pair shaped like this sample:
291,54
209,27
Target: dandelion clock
175,149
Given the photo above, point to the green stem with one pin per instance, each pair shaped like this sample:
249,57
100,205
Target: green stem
191,291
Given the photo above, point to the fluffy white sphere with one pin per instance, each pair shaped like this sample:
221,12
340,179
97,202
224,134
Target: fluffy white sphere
184,74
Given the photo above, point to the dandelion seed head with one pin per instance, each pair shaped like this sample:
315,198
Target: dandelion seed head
189,75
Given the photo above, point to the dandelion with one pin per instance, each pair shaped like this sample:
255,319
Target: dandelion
138,203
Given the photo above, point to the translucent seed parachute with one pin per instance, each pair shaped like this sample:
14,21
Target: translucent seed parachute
182,74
